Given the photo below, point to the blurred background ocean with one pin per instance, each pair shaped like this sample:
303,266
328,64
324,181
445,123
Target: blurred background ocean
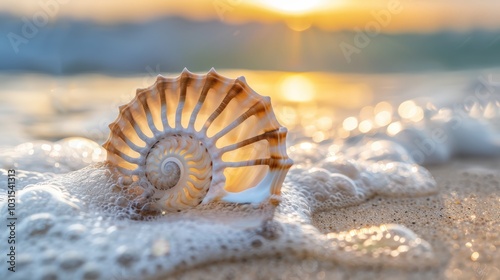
124,37
333,66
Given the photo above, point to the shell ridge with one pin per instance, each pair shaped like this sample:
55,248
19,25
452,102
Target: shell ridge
118,132
271,162
135,112
200,188
129,117
161,88
235,90
184,82
181,145
183,196
275,150
194,157
192,191
281,138
200,177
149,117
270,114
124,156
254,109
201,174
209,82
272,134
252,162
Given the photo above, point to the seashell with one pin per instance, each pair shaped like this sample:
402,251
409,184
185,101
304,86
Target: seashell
199,138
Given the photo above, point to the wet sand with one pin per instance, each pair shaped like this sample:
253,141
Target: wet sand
461,222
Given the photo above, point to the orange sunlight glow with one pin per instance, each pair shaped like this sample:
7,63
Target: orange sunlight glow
293,6
299,15
297,88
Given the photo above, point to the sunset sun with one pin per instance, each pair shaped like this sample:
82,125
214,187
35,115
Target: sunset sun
292,6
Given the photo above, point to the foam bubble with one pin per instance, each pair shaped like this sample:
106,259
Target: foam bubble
81,224
24,178
66,155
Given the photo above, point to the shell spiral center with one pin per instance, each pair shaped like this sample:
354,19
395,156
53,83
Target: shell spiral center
171,171
179,167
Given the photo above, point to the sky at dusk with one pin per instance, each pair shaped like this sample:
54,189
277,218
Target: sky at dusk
69,36
395,15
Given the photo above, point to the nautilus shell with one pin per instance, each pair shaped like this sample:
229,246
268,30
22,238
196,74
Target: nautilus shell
198,138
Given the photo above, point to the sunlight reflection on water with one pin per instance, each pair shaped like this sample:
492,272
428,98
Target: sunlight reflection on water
318,106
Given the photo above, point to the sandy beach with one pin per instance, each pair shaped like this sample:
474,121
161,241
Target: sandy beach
460,222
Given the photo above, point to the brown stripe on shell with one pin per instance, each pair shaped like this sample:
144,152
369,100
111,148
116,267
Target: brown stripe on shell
114,150
142,98
276,150
161,87
273,163
211,80
129,116
269,135
256,109
237,88
185,79
116,130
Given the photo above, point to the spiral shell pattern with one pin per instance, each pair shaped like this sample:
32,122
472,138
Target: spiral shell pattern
178,163
196,138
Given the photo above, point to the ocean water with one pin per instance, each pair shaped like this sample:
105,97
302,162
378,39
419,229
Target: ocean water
352,138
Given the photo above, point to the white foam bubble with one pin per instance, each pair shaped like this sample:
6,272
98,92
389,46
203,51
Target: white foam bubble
80,225
59,157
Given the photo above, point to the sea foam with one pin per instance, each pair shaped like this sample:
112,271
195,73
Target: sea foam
74,222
